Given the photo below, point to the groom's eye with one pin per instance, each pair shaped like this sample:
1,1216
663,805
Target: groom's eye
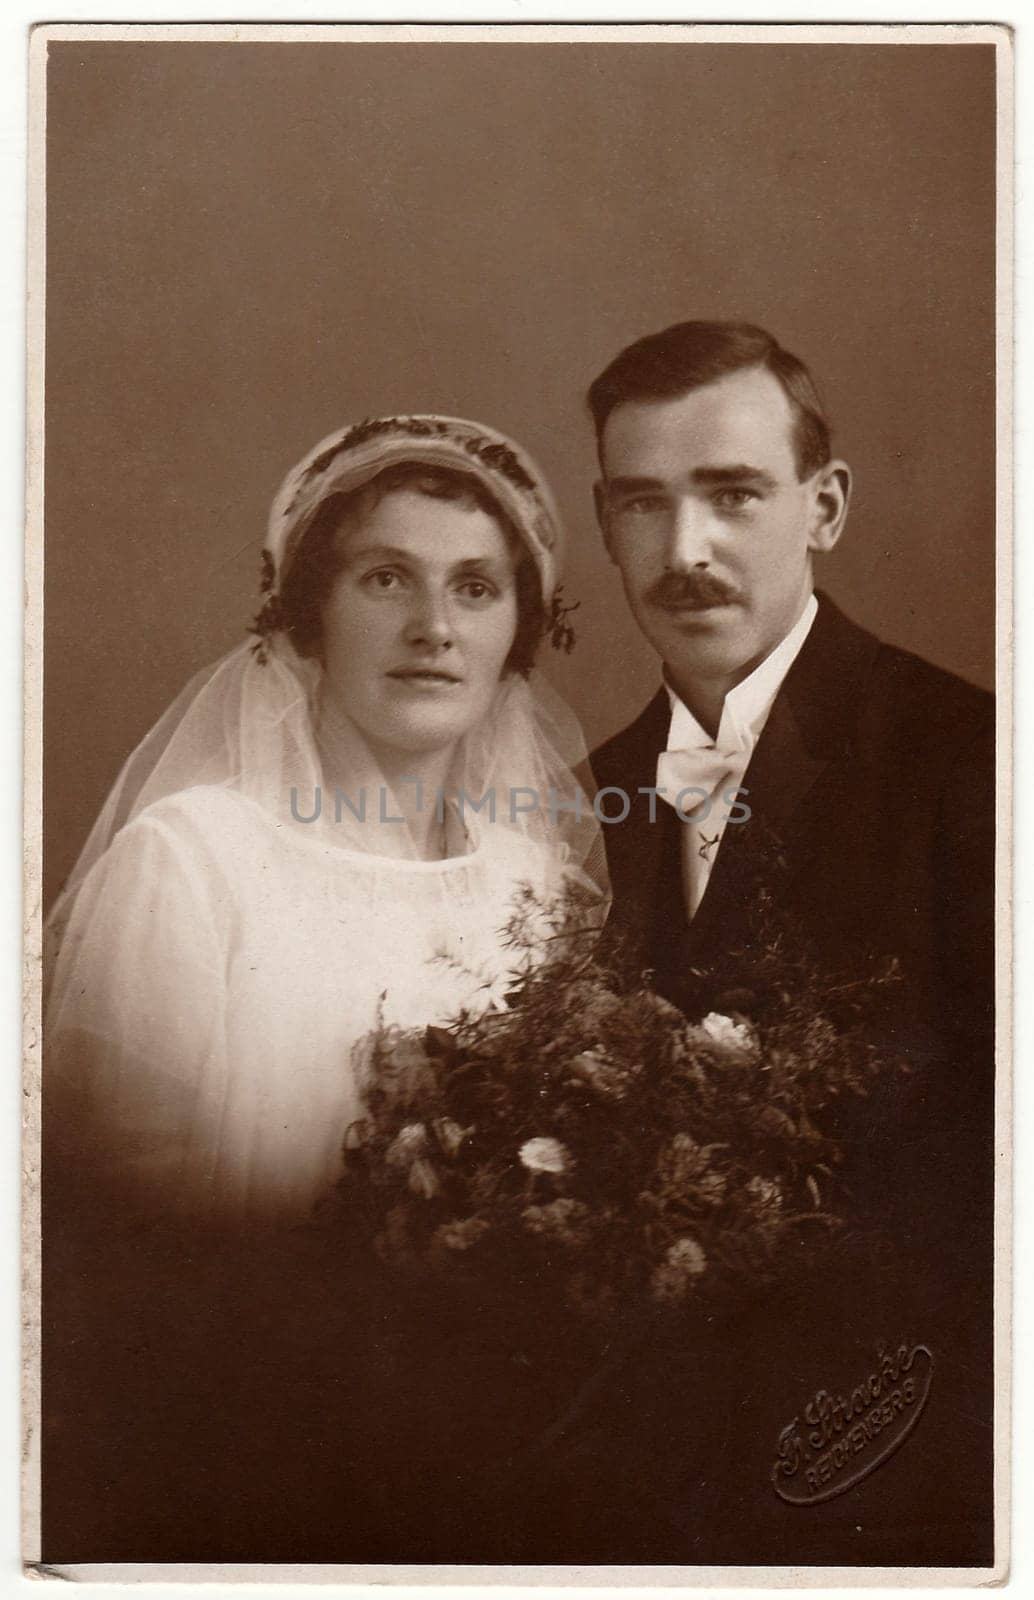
735,499
641,504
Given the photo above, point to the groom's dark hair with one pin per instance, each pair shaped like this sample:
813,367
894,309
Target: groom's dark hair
667,365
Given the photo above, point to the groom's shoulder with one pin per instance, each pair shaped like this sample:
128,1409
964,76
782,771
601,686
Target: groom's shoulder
921,681
899,686
849,673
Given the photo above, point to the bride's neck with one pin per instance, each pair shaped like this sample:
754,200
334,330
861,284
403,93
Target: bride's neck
415,781
421,784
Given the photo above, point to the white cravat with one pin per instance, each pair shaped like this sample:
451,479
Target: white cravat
711,769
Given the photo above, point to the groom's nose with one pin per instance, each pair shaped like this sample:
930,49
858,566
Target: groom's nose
690,536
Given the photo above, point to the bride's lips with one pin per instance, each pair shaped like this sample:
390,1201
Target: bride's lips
427,678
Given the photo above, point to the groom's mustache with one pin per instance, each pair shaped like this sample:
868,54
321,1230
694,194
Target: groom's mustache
690,591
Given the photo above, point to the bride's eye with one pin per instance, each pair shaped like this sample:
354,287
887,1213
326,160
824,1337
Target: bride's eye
477,589
383,579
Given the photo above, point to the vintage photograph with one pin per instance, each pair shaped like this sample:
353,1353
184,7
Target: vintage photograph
516,556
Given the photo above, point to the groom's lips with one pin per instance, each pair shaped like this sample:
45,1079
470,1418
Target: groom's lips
693,608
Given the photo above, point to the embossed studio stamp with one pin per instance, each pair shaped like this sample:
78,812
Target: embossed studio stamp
845,1437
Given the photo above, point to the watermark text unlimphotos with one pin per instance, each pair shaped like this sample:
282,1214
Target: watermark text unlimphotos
609,805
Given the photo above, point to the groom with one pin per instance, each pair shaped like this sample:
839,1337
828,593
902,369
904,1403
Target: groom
790,752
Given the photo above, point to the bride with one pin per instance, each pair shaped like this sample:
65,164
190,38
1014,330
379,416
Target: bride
325,832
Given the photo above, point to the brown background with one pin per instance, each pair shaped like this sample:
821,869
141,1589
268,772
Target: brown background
251,244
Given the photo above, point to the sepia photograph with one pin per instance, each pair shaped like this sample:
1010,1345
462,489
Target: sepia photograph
518,728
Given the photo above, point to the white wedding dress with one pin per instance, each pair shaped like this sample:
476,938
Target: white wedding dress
219,969
213,960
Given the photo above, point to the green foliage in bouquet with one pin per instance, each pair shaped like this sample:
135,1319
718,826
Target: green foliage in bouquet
592,1141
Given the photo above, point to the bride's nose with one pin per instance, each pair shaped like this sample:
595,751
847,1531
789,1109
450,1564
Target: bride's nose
430,622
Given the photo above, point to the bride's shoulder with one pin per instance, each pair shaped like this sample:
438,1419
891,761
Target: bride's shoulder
184,851
206,819
509,847
520,858
555,877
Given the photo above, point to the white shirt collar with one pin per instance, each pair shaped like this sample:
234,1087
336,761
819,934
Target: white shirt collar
748,704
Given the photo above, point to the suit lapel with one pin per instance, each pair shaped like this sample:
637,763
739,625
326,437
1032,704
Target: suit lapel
780,776
783,769
809,730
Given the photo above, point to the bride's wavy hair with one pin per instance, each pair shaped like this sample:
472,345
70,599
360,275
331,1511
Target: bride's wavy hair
320,556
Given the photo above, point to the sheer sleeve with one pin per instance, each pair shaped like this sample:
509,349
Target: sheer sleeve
135,1029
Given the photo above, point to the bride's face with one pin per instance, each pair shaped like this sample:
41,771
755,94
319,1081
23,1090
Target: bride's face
420,621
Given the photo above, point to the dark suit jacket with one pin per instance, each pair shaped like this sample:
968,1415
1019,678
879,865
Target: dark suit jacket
872,823
872,781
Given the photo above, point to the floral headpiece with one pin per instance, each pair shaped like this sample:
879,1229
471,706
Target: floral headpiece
346,460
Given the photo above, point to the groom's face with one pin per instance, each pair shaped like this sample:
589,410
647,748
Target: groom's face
703,511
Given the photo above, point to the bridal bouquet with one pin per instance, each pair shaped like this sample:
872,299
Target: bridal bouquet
590,1147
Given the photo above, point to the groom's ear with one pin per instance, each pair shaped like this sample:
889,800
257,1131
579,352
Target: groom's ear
830,496
599,498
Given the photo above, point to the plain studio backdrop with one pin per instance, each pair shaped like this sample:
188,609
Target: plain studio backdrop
249,245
